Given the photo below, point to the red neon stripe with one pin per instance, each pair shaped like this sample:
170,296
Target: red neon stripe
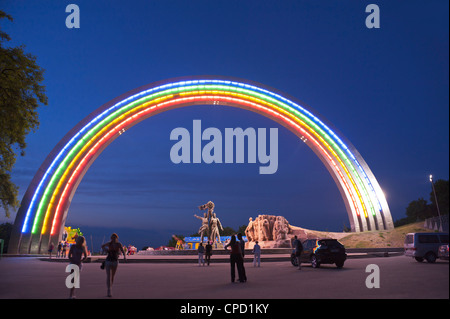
81,165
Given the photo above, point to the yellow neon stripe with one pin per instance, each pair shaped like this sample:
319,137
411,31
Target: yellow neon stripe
202,92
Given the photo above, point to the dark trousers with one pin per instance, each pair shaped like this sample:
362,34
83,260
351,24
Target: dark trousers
242,275
208,258
236,261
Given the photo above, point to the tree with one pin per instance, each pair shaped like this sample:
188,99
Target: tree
345,228
418,210
421,210
5,234
242,229
227,231
21,93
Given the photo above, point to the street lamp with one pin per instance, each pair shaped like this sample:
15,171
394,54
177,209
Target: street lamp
435,198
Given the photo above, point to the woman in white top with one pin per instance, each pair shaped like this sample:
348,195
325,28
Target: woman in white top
75,253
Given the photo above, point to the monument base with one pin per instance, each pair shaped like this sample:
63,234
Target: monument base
284,243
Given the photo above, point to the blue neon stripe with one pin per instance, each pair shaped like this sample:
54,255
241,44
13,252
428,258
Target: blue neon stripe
75,139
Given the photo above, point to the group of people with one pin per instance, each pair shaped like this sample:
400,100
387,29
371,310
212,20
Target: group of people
61,250
205,251
113,249
237,254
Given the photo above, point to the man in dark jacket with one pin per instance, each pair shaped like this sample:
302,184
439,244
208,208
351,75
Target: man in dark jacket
298,251
242,243
208,250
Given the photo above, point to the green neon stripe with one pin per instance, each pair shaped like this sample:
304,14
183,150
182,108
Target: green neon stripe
79,145
93,131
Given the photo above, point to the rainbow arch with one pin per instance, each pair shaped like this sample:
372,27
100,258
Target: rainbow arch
44,208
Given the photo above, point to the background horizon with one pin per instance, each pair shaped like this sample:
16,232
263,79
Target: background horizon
386,90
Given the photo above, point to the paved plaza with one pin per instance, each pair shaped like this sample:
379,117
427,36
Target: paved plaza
400,277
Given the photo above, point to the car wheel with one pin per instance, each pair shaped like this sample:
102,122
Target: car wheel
419,259
314,262
340,264
430,257
294,261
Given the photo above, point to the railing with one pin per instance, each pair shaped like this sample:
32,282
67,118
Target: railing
434,223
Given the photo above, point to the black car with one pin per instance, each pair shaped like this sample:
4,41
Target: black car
321,251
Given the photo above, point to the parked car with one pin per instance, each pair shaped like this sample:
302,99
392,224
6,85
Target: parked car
443,252
321,251
424,246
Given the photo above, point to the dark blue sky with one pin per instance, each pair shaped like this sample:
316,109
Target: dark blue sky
386,90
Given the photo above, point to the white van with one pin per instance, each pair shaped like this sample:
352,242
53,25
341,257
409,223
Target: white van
424,245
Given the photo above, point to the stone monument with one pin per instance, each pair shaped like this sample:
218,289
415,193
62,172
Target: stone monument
214,232
270,231
204,228
210,223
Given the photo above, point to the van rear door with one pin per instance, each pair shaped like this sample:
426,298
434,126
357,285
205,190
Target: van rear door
409,245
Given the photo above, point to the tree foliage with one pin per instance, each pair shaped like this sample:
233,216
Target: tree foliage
21,93
420,209
5,234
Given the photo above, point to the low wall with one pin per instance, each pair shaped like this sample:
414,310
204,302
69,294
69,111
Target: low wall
269,251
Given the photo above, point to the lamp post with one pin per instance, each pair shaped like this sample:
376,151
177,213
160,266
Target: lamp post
435,198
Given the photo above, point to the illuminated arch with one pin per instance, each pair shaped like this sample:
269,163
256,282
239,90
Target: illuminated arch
45,205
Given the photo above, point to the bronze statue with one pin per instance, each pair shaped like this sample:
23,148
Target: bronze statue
204,227
215,223
210,223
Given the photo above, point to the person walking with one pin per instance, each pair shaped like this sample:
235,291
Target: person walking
58,251
75,253
256,254
208,253
50,249
112,260
298,251
235,258
64,249
241,263
201,251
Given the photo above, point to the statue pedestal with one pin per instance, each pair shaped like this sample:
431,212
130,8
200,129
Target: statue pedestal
283,243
